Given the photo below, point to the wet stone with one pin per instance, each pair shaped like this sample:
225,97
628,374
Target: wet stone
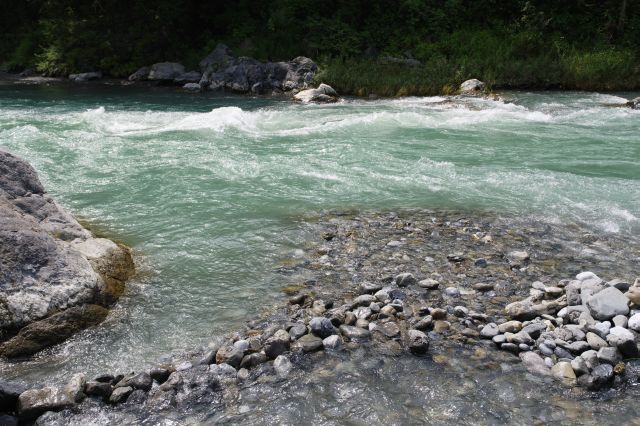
308,343
418,342
99,389
333,342
483,287
120,394
388,329
405,280
297,331
322,327
368,287
354,333
282,366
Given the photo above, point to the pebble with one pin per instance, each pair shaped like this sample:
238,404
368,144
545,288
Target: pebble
483,287
609,355
489,331
438,313
405,279
354,333
564,372
596,342
620,321
429,284
418,342
634,322
308,343
510,327
452,292
460,311
322,327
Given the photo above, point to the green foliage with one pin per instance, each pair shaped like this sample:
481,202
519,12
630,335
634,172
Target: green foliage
518,43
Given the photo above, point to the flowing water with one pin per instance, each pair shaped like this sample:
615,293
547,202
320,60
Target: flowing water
211,191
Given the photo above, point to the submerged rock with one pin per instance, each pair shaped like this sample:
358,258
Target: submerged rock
634,103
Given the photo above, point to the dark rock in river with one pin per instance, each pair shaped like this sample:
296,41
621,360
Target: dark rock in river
222,71
49,264
165,71
634,103
9,393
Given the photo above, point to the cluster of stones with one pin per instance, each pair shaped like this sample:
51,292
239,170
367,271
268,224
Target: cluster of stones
579,332
315,325
221,70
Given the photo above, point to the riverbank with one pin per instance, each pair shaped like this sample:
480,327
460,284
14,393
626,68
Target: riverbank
382,286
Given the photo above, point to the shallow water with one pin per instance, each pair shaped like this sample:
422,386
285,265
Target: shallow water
212,191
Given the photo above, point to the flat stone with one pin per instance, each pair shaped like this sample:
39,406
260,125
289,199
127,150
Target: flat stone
253,360
34,402
564,372
388,329
354,333
534,363
608,303
405,280
510,327
429,284
363,300
534,329
489,331
120,394
596,342
369,287
142,381
308,343
483,287
522,310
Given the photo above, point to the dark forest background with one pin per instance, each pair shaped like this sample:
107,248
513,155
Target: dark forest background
586,44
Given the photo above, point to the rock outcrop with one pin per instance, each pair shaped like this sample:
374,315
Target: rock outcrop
55,277
220,70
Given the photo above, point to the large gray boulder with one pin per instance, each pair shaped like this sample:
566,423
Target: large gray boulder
165,71
323,94
49,264
472,86
608,303
222,71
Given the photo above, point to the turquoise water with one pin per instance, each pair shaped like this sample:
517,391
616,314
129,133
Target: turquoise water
211,191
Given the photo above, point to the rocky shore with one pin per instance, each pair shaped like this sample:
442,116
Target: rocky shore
407,284
55,277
